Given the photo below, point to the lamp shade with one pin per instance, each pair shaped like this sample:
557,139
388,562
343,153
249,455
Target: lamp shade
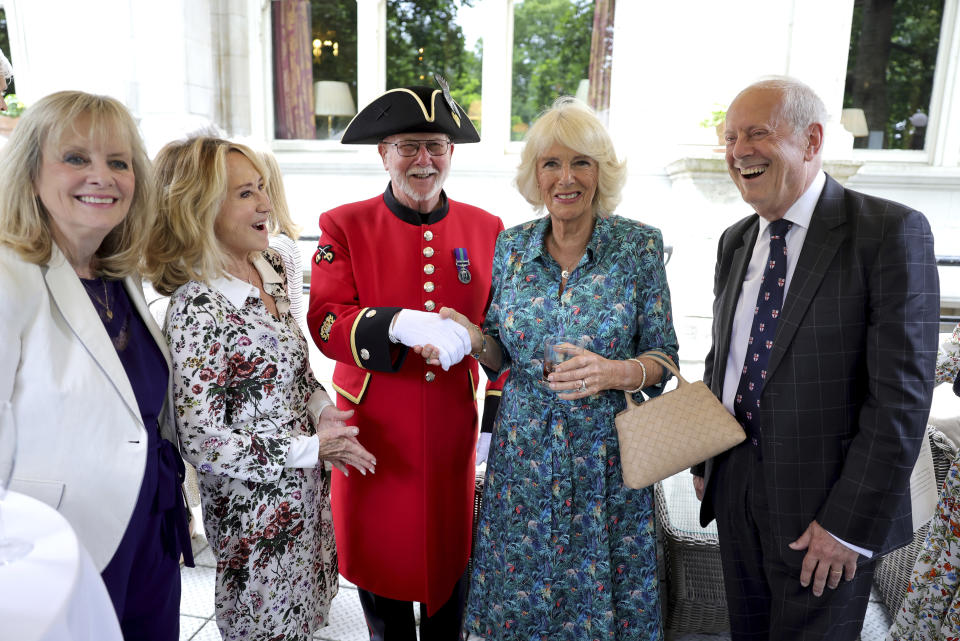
854,121
332,98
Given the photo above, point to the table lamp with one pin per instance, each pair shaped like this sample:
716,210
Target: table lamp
854,121
332,98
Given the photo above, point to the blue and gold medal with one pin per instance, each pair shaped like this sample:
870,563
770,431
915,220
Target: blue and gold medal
463,264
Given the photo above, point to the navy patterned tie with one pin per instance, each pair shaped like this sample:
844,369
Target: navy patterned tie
766,315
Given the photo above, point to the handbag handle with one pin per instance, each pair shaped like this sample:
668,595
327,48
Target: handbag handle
667,363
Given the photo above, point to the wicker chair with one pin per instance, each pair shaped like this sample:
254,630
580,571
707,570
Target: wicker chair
892,575
692,590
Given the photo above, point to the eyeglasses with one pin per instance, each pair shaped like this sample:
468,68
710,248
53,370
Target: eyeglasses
408,148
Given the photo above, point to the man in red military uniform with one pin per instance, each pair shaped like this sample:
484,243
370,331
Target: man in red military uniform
382,268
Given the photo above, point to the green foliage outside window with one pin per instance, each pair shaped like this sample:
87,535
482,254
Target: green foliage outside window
424,38
335,21
890,68
333,35
551,49
15,106
551,54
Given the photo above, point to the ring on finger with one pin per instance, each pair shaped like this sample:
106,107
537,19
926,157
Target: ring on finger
836,571
583,386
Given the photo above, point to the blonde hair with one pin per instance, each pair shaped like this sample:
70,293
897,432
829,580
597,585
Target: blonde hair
192,184
281,221
25,221
572,124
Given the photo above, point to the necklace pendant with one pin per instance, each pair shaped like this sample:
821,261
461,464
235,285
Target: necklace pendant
565,274
109,314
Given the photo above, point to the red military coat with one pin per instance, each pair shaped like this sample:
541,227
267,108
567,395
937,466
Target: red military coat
404,532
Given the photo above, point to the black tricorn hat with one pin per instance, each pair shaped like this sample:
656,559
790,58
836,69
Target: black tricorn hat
411,109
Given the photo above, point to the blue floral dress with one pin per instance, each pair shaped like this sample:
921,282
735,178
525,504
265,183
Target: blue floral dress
564,550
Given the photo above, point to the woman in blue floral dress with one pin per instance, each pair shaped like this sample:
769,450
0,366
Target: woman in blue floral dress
564,550
251,417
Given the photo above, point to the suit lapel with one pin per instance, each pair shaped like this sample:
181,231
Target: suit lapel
728,301
74,305
819,247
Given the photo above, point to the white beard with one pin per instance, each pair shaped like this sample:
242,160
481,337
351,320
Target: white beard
399,181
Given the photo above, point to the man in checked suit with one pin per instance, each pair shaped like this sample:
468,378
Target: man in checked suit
832,383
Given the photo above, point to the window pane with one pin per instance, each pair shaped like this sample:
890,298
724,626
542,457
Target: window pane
334,52
551,56
314,67
427,37
893,54
5,47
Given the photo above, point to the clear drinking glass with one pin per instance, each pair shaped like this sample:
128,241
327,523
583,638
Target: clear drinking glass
10,549
557,349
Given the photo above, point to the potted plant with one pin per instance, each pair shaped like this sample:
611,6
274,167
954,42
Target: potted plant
8,118
716,121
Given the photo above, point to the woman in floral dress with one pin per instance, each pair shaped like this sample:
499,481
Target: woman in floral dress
564,550
931,609
251,417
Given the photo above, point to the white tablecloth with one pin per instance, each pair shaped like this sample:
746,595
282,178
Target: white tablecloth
54,593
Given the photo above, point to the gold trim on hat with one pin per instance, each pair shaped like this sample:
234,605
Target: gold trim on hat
432,114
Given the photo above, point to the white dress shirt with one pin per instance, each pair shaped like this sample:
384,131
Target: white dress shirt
799,214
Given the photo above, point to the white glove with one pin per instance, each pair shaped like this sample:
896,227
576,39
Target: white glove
483,447
412,328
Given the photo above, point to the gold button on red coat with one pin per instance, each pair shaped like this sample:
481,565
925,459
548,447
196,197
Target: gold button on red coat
429,305
428,251
428,269
428,286
430,376
428,235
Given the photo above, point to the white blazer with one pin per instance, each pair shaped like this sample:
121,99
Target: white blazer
82,442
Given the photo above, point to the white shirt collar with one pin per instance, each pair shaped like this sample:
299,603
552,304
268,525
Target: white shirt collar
801,211
237,291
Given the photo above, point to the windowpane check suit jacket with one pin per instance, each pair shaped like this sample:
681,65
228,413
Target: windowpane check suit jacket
850,376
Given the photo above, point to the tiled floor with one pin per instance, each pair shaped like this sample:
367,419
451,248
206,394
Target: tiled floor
197,622
874,626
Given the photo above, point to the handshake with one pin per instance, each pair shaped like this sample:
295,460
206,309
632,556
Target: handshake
416,329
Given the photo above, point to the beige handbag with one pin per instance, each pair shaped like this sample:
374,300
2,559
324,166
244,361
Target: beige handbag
673,431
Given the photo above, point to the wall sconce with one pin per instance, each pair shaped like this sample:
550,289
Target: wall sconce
319,44
332,98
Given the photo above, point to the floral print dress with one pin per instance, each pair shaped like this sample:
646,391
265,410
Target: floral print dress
241,386
931,609
564,550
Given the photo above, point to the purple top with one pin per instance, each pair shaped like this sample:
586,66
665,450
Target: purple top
159,517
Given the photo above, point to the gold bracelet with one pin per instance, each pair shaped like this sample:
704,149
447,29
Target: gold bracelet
643,381
483,343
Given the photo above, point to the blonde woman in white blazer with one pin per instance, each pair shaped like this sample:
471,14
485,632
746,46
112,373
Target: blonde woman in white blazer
82,362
